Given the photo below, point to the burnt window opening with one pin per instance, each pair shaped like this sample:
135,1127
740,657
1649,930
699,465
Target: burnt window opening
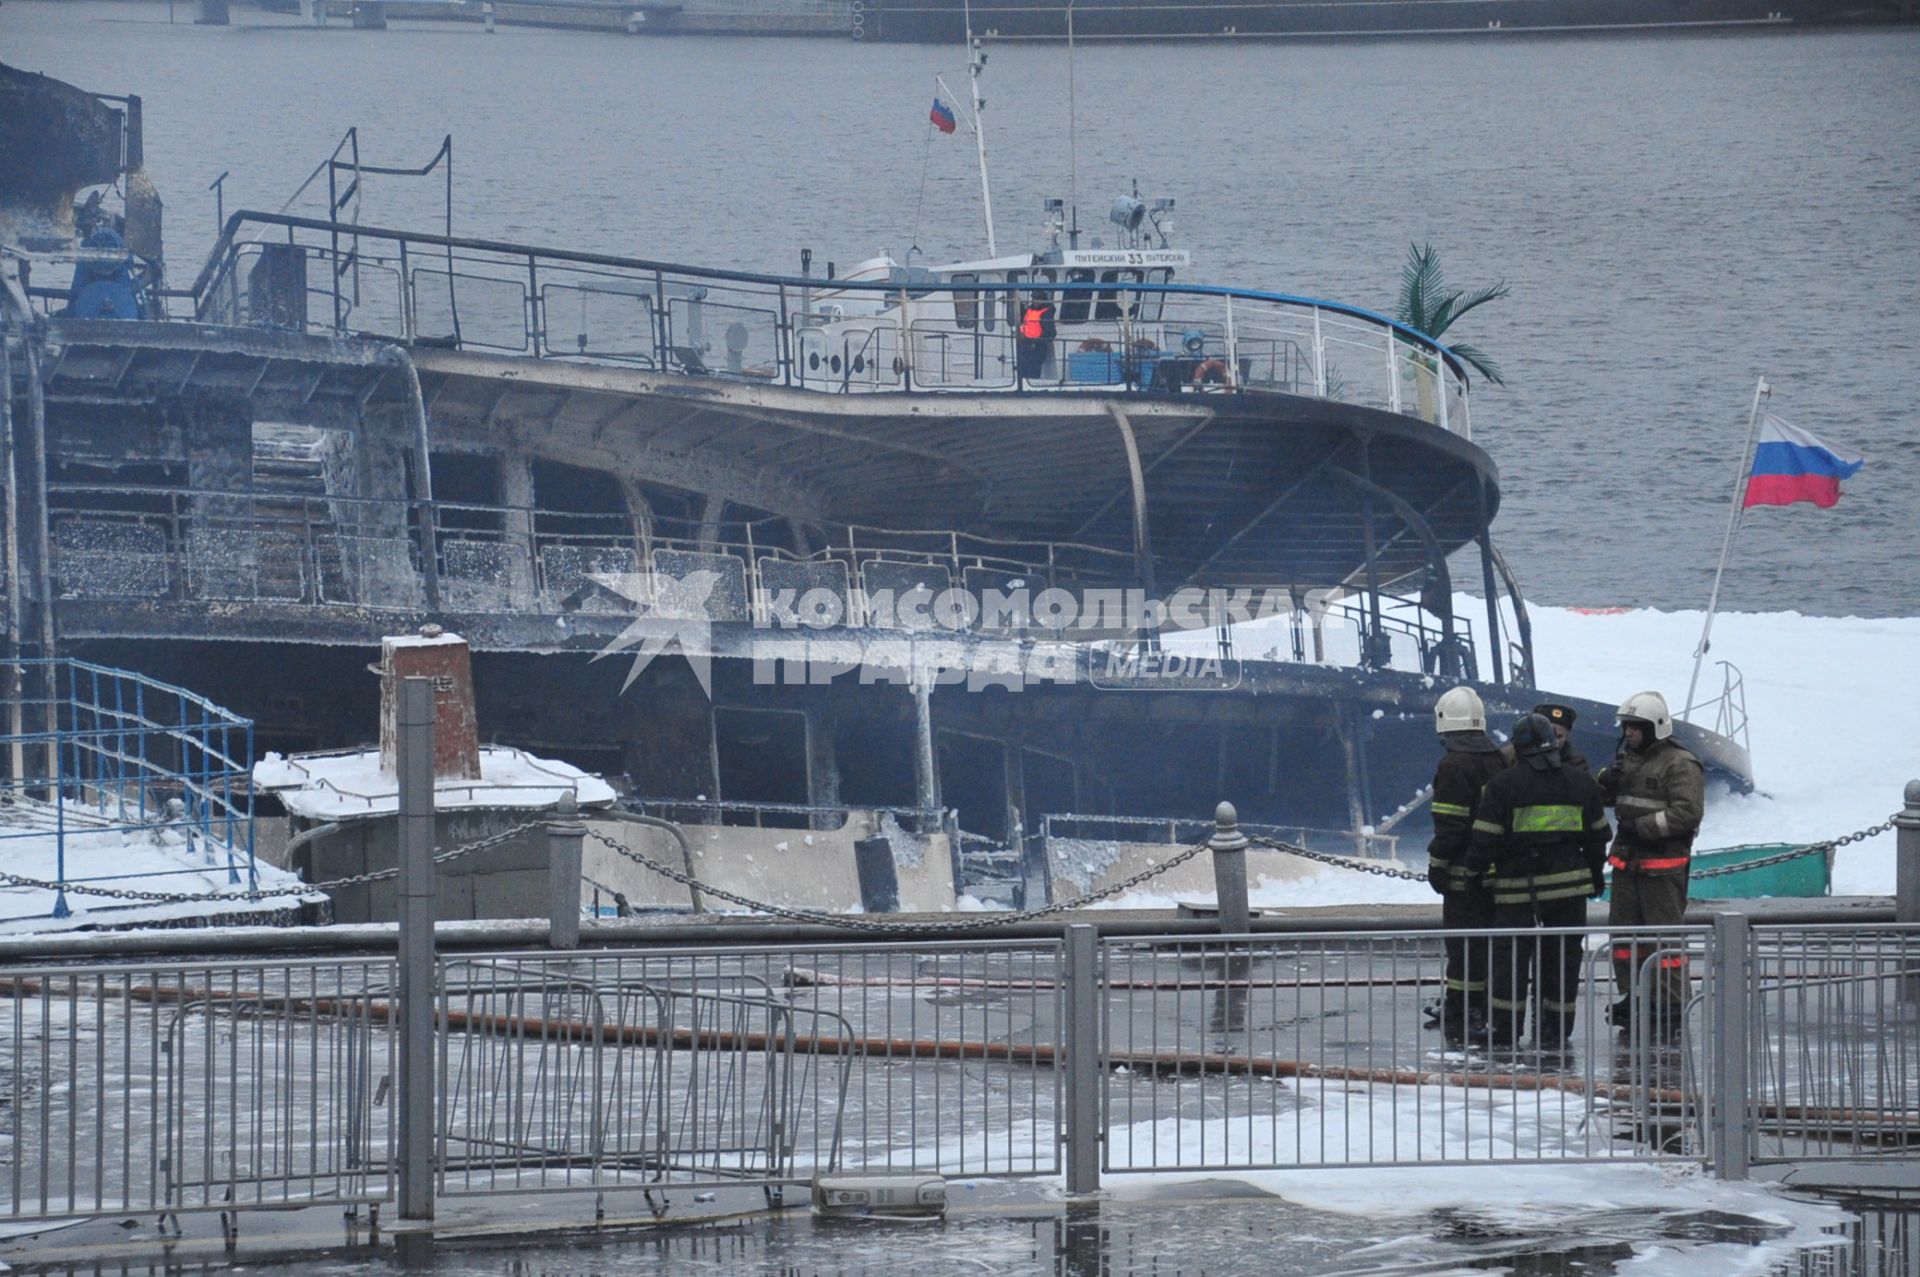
875,755
575,501
675,512
88,486
1048,784
763,759
973,780
466,492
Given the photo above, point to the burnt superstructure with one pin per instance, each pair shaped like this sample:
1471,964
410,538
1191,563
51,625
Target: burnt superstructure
336,433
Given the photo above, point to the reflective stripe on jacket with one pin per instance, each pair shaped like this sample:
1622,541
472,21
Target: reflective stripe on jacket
1539,835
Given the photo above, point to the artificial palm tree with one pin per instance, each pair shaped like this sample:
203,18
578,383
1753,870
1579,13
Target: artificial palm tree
1428,306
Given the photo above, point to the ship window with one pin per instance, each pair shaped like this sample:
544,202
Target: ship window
1074,306
466,491
1150,303
965,304
763,759
1109,306
573,501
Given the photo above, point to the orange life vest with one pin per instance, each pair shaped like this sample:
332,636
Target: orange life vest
1031,326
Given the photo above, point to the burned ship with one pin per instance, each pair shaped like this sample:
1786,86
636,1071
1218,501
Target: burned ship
946,524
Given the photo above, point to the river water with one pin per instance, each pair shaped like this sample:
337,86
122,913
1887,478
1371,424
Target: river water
1676,214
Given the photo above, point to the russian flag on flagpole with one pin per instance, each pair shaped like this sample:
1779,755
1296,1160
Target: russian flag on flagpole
1791,465
942,117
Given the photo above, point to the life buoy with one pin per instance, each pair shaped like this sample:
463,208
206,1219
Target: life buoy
1212,372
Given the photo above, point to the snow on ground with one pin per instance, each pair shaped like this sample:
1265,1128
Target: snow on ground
1831,701
1313,1122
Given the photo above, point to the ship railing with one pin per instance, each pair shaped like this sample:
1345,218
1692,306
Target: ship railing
1728,709
160,544
93,759
828,335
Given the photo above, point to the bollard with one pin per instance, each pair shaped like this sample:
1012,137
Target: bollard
565,834
1081,1033
415,767
1906,863
1731,1130
1229,847
1906,874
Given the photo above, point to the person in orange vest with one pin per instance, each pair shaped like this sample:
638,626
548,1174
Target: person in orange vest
1034,341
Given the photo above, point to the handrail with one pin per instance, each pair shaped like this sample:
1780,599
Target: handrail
220,256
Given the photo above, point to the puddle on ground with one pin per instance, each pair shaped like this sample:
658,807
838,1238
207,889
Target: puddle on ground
1205,1230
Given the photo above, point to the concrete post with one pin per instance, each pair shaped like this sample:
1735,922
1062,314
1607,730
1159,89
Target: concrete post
415,768
565,834
1906,873
1730,1129
1906,862
1229,847
1083,1000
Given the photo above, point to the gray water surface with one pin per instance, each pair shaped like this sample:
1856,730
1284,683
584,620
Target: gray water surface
1677,214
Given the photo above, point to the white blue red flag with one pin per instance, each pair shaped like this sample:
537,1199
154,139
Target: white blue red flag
1791,465
942,117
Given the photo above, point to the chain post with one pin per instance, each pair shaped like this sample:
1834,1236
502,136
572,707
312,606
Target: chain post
1081,994
565,834
1229,847
1906,857
415,768
1731,981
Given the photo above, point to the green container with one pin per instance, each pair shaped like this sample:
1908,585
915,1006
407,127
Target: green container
1801,876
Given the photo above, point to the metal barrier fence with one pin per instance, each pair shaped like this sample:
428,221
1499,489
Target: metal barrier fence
1330,1050
196,1086
224,1086
90,754
1835,1025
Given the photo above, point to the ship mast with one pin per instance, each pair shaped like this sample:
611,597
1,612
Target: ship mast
975,61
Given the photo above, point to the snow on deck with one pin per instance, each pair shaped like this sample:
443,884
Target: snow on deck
336,785
139,860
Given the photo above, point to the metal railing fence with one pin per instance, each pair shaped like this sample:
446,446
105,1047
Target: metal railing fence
196,1086
1330,1050
90,754
227,1085
829,335
1835,1025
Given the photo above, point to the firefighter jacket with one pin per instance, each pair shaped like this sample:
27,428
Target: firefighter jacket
1539,836
1658,795
1471,760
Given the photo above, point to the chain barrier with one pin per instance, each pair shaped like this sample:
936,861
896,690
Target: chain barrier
1344,862
264,893
857,922
1813,848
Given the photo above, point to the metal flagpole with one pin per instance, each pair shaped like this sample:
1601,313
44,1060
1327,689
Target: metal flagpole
1761,390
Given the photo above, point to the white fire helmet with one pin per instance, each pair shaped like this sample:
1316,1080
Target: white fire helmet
1459,710
1647,707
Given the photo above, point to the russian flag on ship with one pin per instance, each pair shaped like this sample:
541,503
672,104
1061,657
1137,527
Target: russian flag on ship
1791,465
942,117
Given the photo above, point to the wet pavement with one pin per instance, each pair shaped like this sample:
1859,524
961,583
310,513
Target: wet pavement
1196,1229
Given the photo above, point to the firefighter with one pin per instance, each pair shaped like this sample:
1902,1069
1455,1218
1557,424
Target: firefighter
1471,760
1035,339
1539,839
1658,794
1561,716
